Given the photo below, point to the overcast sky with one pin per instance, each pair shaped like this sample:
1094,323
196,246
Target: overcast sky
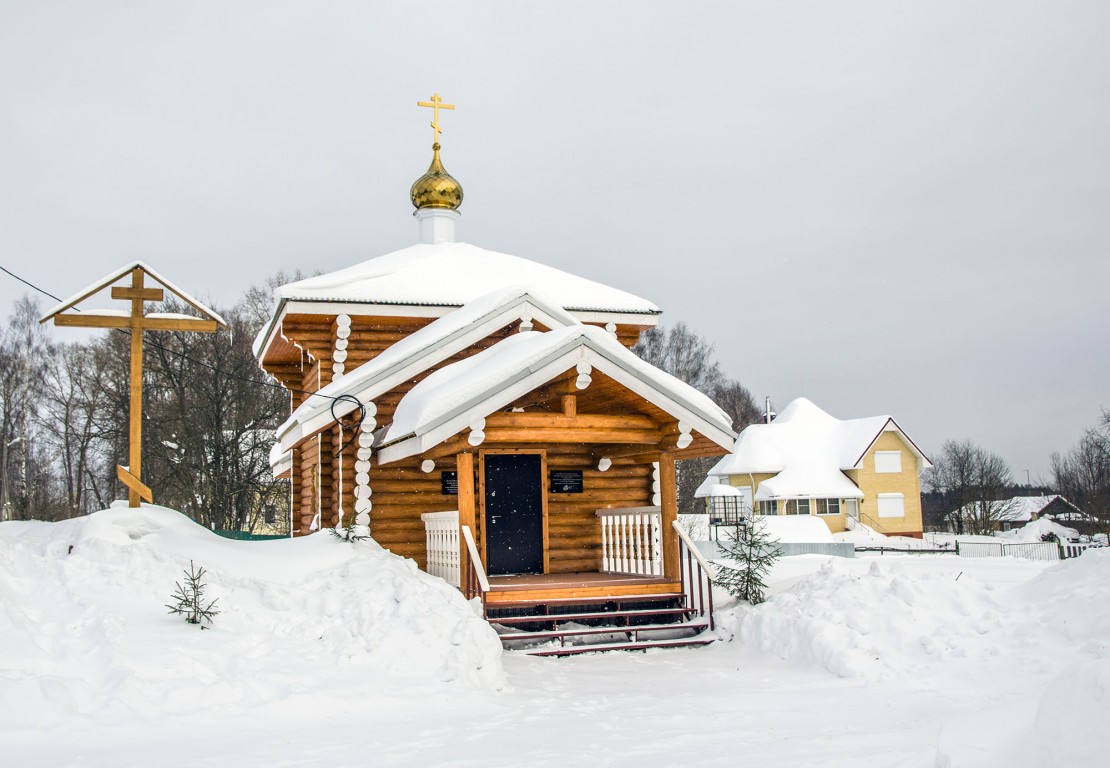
886,207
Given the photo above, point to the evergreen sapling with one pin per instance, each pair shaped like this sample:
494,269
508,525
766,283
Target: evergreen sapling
189,599
752,553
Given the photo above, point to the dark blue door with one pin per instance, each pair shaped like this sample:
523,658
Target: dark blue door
514,513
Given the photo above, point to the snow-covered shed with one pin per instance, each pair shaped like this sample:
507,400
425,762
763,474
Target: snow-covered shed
807,462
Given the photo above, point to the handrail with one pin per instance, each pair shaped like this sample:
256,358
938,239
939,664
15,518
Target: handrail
475,560
710,571
872,523
618,511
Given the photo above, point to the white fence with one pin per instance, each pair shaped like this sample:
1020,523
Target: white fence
1037,550
632,540
441,533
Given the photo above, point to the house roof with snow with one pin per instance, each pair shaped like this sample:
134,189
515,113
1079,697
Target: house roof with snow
462,394
416,353
1022,509
448,275
808,450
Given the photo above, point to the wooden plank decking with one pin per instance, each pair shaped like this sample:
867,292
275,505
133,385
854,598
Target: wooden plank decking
562,586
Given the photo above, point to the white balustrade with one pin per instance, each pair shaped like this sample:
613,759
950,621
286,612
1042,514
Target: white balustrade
632,540
441,532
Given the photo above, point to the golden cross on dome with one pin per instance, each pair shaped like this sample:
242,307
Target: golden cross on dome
436,104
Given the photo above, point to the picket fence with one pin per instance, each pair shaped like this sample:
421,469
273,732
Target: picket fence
1037,550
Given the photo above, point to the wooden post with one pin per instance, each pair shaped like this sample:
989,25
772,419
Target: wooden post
135,438
668,498
464,465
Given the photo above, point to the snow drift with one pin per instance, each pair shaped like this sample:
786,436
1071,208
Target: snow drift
879,619
84,627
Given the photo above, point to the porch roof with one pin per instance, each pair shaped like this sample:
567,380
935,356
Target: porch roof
461,395
418,352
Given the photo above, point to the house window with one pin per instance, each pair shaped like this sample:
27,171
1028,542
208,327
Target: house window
270,514
768,508
892,505
827,506
797,507
888,462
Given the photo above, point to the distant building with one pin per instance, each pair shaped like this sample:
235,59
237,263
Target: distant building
1020,510
807,462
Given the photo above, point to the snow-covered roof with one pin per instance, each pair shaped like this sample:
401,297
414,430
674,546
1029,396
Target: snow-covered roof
713,487
455,396
104,282
1021,509
418,352
451,275
807,450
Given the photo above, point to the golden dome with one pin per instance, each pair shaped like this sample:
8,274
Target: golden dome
436,188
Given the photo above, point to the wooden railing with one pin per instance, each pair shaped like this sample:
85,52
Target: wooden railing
697,575
476,584
632,540
441,534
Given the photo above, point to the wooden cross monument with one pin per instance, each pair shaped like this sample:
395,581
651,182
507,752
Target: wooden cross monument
136,321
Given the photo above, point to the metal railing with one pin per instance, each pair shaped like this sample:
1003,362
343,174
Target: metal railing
475,584
689,558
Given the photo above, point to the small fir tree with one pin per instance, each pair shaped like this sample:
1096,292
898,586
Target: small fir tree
189,598
752,552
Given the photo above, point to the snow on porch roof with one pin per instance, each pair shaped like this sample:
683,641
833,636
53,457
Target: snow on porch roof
419,351
453,397
452,274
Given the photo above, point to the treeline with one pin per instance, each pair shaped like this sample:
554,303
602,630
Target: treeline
976,486
209,415
681,352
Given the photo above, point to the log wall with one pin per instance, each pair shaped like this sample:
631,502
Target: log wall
402,492
316,473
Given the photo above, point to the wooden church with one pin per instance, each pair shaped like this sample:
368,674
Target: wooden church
483,415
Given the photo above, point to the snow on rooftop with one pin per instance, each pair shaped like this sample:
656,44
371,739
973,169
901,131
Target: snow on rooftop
806,449
456,386
453,274
104,282
1019,509
712,487
365,382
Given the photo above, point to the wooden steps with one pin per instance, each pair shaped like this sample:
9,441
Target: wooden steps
549,629
643,645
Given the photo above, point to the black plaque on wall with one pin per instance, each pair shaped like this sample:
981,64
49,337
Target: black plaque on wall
566,481
449,483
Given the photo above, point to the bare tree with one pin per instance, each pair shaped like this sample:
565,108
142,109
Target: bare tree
212,415
1083,474
684,354
27,487
976,485
74,404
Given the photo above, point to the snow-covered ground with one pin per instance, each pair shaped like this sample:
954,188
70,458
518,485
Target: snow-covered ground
336,654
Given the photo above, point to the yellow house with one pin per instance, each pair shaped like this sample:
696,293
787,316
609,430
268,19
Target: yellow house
807,462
